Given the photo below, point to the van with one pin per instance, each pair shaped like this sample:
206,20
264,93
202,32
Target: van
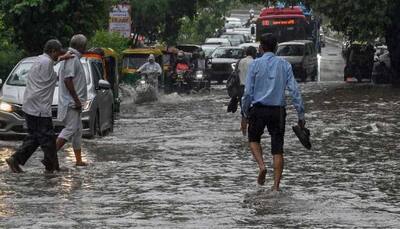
303,57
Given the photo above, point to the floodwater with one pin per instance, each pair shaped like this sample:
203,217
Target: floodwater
182,162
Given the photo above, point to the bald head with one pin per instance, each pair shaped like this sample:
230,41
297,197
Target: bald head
78,42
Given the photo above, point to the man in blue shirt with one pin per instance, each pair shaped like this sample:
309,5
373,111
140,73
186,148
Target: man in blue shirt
264,105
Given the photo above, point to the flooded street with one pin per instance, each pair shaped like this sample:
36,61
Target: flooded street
183,163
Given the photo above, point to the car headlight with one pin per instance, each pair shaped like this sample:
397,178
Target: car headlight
233,65
199,75
87,105
5,107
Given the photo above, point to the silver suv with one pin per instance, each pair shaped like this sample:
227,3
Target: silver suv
302,55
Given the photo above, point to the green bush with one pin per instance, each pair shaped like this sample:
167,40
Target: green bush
106,39
9,57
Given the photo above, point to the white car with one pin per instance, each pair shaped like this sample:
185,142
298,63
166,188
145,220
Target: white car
221,41
97,115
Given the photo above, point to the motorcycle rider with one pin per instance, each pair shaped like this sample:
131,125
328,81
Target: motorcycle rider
152,68
181,63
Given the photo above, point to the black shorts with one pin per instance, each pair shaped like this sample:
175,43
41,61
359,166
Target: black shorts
272,117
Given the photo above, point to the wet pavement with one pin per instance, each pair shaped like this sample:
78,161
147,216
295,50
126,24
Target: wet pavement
182,163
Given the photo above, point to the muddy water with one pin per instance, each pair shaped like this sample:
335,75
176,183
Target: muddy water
182,163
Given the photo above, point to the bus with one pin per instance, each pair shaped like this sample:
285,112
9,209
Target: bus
289,23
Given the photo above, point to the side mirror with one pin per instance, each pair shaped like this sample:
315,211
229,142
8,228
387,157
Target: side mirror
104,85
1,82
253,30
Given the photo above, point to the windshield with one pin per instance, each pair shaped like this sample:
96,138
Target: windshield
228,53
208,50
290,50
20,74
134,62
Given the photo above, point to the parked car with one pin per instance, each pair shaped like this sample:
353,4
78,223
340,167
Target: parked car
235,38
302,55
98,111
382,70
220,64
221,41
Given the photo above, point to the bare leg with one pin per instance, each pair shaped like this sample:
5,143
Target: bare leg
256,150
278,169
60,143
78,157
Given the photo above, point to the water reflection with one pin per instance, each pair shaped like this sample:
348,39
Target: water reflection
182,163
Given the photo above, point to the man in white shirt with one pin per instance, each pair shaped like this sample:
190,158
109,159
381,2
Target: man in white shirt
72,94
38,98
251,53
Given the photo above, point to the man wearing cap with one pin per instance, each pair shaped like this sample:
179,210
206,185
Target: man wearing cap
38,98
264,105
72,96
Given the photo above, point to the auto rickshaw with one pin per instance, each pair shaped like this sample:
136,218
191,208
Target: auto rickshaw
133,59
359,61
112,74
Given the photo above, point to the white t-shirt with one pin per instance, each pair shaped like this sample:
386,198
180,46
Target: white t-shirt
40,85
71,68
243,68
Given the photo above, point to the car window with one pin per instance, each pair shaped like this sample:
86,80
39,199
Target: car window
228,53
97,72
290,50
20,74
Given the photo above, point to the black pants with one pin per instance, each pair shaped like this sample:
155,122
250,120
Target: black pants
40,133
272,117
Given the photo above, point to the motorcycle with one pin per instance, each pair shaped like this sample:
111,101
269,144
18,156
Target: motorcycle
182,81
147,88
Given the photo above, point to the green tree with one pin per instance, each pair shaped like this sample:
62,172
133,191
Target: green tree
103,38
161,19
209,17
9,53
366,20
35,21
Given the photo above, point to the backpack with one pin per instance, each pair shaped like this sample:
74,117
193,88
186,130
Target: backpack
233,83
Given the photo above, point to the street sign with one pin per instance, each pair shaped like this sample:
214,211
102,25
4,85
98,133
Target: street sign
120,20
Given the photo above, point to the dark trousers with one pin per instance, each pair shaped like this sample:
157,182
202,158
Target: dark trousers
40,133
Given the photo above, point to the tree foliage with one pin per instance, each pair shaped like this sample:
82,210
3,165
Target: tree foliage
103,38
208,18
35,21
9,53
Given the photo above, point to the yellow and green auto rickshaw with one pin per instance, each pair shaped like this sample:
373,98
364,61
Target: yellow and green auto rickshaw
133,59
112,74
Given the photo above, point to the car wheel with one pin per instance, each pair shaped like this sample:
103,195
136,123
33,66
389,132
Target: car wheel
304,76
314,75
98,129
112,122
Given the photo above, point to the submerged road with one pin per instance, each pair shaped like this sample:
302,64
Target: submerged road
182,163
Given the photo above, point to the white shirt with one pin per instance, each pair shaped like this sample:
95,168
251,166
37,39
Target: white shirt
243,68
71,68
150,68
40,85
